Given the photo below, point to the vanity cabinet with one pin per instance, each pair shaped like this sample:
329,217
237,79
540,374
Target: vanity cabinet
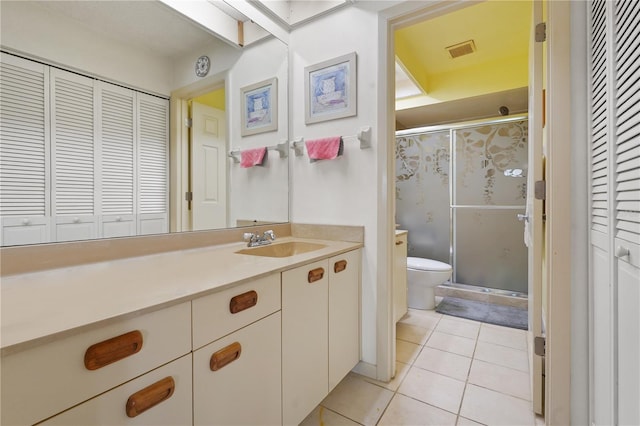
320,331
344,315
400,276
237,373
160,397
44,380
265,351
237,379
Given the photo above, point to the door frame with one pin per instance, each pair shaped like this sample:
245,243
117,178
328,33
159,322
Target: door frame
558,236
180,217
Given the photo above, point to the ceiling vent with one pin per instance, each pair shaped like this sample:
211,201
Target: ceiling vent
461,49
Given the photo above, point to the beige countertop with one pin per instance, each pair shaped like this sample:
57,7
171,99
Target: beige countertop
39,306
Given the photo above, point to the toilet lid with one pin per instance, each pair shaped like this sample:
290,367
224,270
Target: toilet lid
427,264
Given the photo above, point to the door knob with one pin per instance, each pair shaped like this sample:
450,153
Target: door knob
622,251
524,217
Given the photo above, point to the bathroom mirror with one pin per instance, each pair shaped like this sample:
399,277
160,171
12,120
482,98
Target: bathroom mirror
159,53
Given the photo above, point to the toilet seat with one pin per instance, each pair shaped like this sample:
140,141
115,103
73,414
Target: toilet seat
422,264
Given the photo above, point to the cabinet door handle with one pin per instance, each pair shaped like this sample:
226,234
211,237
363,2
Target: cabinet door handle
225,356
315,275
399,242
339,266
243,301
108,351
150,396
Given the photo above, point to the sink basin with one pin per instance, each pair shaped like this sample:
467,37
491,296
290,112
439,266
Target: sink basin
282,249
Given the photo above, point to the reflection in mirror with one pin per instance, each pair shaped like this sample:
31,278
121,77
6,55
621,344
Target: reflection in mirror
96,101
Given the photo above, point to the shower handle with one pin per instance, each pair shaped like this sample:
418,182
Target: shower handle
523,217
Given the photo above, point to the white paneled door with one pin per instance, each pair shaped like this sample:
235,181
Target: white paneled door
208,168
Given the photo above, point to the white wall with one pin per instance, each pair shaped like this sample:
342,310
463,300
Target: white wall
259,193
342,191
52,37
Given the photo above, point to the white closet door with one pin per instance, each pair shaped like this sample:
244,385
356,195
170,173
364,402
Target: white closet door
117,163
73,133
626,150
153,164
24,152
602,293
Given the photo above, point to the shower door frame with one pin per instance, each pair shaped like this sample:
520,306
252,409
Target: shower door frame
453,206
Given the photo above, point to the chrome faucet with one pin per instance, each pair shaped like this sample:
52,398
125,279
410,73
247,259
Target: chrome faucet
256,239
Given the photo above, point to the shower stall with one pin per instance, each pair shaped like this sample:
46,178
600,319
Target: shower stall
459,190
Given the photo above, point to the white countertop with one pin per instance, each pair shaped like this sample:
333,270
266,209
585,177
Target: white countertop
44,304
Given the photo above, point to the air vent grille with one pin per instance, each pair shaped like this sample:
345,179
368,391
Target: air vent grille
461,49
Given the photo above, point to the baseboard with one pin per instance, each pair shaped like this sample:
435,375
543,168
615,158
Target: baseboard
366,369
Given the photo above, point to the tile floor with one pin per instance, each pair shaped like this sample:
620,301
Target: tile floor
450,371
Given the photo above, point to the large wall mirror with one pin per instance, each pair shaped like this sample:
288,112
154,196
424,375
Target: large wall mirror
119,118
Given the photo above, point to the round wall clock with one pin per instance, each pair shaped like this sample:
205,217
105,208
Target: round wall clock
202,66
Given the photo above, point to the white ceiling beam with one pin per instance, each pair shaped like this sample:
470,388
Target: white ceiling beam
209,17
260,18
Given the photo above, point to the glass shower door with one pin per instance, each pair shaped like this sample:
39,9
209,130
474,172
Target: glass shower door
488,192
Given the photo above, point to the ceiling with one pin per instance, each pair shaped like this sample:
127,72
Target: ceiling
148,25
474,85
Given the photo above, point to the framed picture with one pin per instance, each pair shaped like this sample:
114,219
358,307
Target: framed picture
330,89
260,107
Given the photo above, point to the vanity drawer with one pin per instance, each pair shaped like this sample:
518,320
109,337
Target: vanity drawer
221,313
44,380
160,397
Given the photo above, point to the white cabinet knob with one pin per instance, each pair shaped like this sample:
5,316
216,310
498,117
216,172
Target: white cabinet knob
76,220
118,219
622,251
26,221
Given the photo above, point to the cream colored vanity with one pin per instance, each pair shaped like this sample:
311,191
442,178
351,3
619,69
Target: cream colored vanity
228,338
400,275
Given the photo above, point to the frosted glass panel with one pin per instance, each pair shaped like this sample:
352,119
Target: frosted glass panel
422,193
490,164
489,249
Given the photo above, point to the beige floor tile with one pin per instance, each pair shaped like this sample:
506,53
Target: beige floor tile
412,333
450,343
358,400
406,352
407,411
424,319
432,388
322,416
494,408
466,422
446,363
501,379
502,355
503,336
458,327
401,372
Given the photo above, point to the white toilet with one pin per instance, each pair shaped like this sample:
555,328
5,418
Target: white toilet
423,276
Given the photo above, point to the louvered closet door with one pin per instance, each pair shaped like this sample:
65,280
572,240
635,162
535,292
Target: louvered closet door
153,165
73,132
626,164
603,352
24,152
117,163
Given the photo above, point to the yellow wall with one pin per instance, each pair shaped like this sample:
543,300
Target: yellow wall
215,99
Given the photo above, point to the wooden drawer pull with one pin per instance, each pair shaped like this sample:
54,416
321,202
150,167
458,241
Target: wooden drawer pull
315,274
108,351
243,301
339,266
150,396
399,242
225,356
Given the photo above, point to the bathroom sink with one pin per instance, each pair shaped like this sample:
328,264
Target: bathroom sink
282,249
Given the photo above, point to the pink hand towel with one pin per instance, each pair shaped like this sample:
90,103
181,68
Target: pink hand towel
325,148
253,157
